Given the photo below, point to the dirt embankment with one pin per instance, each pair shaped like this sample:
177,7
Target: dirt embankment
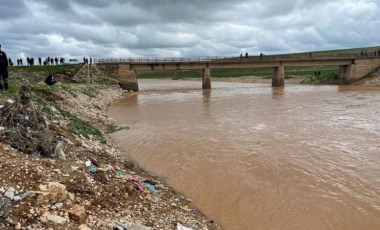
78,181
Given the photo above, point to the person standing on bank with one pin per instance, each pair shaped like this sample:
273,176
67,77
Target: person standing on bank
3,70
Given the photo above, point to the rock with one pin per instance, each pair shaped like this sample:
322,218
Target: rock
56,219
18,226
58,205
71,196
9,194
83,227
77,212
27,195
53,192
58,151
5,207
129,226
16,198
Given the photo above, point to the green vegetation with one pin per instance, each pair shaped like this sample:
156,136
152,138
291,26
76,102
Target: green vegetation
44,97
11,92
225,73
81,127
66,88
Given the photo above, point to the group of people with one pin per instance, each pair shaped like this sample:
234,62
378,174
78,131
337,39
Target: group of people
246,55
47,61
366,53
5,62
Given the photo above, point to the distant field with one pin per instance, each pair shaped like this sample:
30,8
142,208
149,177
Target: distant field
224,73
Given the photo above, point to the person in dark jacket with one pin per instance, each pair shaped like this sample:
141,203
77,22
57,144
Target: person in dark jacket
3,70
49,80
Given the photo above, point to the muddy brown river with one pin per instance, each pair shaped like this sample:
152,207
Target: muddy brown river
254,157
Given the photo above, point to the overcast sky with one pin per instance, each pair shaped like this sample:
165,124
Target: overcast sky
172,28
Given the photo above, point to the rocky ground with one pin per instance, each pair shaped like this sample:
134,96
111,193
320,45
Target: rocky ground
82,182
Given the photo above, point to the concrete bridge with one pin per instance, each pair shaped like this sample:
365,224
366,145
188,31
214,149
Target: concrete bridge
352,67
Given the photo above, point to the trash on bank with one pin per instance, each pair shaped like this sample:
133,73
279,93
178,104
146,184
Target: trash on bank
181,227
128,226
151,188
186,208
10,101
88,163
94,161
120,172
93,169
21,117
136,182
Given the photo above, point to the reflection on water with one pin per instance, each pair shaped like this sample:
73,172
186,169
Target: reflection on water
256,157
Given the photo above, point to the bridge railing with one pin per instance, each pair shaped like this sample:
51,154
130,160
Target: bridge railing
304,56
160,59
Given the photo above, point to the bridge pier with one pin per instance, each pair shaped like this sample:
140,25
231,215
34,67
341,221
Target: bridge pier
278,76
345,74
206,80
127,78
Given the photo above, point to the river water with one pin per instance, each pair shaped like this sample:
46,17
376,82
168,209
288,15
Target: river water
254,157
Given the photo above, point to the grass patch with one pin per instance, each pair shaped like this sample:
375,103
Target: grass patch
89,91
12,90
67,89
80,127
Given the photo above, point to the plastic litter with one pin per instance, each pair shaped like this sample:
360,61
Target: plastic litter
120,172
151,188
136,182
10,101
181,227
186,208
93,169
22,117
88,163
93,161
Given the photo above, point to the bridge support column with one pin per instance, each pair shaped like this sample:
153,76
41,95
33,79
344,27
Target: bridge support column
278,76
206,80
345,74
127,79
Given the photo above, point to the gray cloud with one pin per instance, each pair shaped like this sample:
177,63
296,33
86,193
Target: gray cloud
127,28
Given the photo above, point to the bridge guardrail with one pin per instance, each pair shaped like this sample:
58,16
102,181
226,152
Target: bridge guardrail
152,60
